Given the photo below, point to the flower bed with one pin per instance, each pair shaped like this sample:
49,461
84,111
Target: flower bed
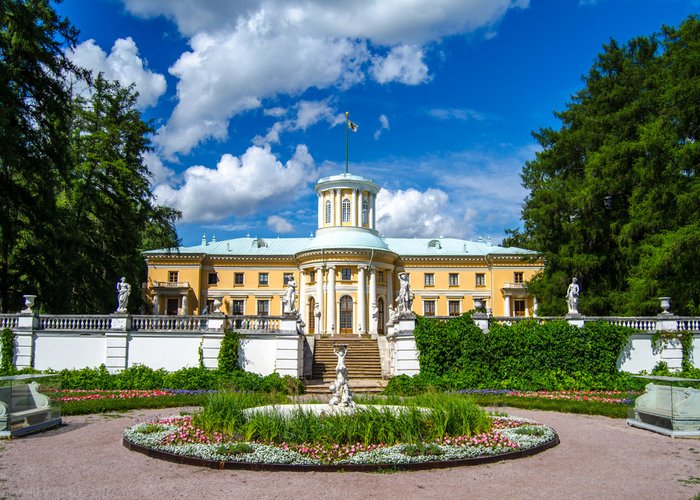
177,439
69,395
614,397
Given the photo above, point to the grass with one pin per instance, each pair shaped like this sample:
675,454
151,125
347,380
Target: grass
108,405
613,410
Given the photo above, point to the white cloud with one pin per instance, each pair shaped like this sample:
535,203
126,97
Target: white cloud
462,114
279,225
383,125
276,112
246,51
403,64
414,213
308,113
239,186
160,174
122,64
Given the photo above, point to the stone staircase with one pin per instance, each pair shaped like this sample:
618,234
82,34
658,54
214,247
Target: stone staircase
362,359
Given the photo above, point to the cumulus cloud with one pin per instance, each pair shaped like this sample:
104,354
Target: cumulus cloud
238,186
414,213
246,51
160,174
279,225
403,64
462,114
383,125
122,64
308,113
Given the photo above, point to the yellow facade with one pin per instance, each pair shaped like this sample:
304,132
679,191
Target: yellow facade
346,276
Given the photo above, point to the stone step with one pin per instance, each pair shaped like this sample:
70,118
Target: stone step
362,360
358,386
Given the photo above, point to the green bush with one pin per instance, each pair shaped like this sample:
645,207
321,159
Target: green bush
7,351
228,353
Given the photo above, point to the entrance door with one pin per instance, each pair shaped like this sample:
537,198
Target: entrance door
380,316
171,307
312,316
346,314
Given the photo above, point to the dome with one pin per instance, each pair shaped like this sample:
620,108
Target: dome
346,237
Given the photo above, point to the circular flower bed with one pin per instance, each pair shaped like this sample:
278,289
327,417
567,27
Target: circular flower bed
177,439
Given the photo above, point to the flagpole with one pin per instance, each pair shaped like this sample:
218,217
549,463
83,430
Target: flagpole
347,126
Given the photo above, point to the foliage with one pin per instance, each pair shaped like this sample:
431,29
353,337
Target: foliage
660,338
87,407
449,416
7,351
554,355
228,352
143,378
77,208
614,193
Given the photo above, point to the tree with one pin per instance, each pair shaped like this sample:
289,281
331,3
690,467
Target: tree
34,114
614,194
107,207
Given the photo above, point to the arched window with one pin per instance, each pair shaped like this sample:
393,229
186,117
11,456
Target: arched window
346,314
365,212
328,211
346,210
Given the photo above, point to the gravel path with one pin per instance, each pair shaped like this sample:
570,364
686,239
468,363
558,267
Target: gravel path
598,458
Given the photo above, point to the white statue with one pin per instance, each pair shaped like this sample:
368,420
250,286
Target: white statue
123,291
405,299
572,294
289,298
374,311
342,395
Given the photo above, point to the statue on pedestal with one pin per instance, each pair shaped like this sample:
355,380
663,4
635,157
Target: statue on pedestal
342,395
123,291
405,299
572,294
289,298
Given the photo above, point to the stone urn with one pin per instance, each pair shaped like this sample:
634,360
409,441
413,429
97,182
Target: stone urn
478,303
28,303
665,304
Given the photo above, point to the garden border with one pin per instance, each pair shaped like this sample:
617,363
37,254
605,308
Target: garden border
437,464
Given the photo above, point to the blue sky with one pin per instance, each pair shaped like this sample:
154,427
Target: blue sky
249,97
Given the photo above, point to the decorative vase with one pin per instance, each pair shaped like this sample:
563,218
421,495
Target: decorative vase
665,304
28,303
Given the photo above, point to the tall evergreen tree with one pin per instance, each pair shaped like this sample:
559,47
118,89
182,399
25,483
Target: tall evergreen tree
614,193
34,115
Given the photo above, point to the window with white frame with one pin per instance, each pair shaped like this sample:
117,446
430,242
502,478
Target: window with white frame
238,307
263,307
288,277
454,307
346,210
429,279
346,274
238,278
518,278
428,308
365,211
172,276
454,279
380,276
263,279
328,211
480,279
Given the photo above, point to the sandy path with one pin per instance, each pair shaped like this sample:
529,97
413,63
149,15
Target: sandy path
598,458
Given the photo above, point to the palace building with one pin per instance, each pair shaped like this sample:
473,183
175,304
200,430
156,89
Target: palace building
346,274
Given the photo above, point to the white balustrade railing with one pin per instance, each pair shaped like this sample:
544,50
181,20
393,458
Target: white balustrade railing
255,323
510,320
168,323
8,320
638,323
74,322
688,324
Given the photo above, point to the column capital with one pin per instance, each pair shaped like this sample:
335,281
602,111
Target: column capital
331,267
363,267
319,268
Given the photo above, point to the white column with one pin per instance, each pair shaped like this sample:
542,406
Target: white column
320,210
372,296
338,213
506,307
319,298
302,296
353,207
372,211
361,308
330,292
155,304
184,305
389,277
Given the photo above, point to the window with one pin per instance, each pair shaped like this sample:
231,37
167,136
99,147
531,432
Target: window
428,308
238,279
210,306
346,210
263,307
212,279
454,279
237,307
454,308
288,277
312,276
262,279
346,274
519,307
328,211
172,276
365,218
480,279
429,279
518,278
380,276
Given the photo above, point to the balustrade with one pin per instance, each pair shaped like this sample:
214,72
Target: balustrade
638,323
8,320
74,322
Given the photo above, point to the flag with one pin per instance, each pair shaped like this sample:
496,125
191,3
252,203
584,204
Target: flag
352,125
